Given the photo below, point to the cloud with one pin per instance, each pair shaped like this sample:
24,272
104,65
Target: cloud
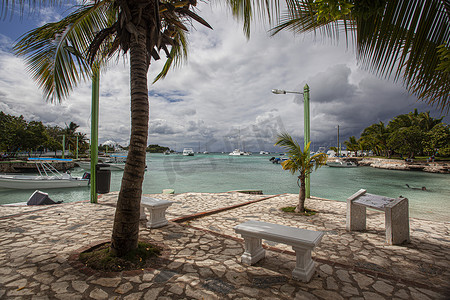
221,98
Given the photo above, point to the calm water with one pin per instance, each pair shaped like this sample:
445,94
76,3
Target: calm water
221,173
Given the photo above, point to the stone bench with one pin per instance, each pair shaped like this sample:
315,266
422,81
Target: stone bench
395,210
157,211
302,241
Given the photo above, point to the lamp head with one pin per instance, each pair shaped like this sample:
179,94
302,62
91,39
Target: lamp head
277,91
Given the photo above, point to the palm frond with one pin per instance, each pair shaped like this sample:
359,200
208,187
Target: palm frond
54,52
393,38
178,54
246,10
286,141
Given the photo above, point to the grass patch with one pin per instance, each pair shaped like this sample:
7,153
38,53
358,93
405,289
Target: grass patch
291,209
101,259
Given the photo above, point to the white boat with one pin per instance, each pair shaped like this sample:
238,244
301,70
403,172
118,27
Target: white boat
263,152
188,152
339,163
237,152
48,178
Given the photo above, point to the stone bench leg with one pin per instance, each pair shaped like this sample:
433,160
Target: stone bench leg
253,250
142,213
356,216
157,216
304,268
397,223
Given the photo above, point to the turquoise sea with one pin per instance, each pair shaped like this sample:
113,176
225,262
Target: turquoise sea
221,173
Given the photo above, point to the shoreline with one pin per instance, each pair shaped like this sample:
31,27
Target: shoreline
442,167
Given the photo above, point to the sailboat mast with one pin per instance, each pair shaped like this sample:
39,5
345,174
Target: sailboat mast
339,147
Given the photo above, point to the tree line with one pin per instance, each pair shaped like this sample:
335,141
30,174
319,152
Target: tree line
18,135
405,135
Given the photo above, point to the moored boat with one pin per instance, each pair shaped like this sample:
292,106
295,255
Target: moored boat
48,178
188,152
339,163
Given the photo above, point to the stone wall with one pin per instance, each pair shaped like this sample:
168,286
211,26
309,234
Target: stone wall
25,166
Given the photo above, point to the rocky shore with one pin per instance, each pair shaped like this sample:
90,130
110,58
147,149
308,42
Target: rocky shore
398,164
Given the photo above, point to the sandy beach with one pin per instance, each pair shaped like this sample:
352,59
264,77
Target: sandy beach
39,244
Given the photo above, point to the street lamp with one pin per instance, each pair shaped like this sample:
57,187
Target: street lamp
306,126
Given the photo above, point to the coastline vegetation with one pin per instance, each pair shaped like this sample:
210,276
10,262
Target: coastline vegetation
409,135
18,135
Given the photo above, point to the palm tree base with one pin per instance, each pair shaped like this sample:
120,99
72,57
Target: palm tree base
293,209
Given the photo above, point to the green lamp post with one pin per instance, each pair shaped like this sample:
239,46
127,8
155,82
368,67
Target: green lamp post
94,130
306,125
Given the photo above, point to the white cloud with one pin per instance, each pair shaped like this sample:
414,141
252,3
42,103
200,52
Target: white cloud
223,94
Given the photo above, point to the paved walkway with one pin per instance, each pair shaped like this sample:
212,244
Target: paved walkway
203,253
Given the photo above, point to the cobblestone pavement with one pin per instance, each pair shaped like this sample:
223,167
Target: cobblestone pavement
203,254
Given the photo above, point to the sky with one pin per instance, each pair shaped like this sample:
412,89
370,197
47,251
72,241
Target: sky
221,98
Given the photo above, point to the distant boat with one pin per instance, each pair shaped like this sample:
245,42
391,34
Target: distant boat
278,160
205,152
237,152
48,178
167,152
339,163
263,152
188,152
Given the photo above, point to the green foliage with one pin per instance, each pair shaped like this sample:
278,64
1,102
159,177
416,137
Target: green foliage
438,138
101,258
408,134
157,149
16,134
291,209
403,39
332,10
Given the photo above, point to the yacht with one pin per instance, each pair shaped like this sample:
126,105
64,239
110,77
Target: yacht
340,163
237,152
188,152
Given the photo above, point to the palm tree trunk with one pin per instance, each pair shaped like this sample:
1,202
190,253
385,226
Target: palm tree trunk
126,222
301,195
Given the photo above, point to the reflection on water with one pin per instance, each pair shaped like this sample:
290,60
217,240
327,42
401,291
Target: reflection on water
221,173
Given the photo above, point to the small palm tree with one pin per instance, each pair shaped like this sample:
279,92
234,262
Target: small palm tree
300,161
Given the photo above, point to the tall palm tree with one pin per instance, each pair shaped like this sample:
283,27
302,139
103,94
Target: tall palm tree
352,144
375,136
408,39
58,55
61,54
299,161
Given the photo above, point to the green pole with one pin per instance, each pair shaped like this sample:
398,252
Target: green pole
64,146
307,131
94,130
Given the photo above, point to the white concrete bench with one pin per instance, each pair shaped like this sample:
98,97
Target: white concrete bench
395,210
157,211
302,241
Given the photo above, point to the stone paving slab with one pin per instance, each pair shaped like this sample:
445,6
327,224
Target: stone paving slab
425,260
204,263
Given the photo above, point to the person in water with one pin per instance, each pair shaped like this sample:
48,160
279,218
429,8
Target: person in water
423,188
